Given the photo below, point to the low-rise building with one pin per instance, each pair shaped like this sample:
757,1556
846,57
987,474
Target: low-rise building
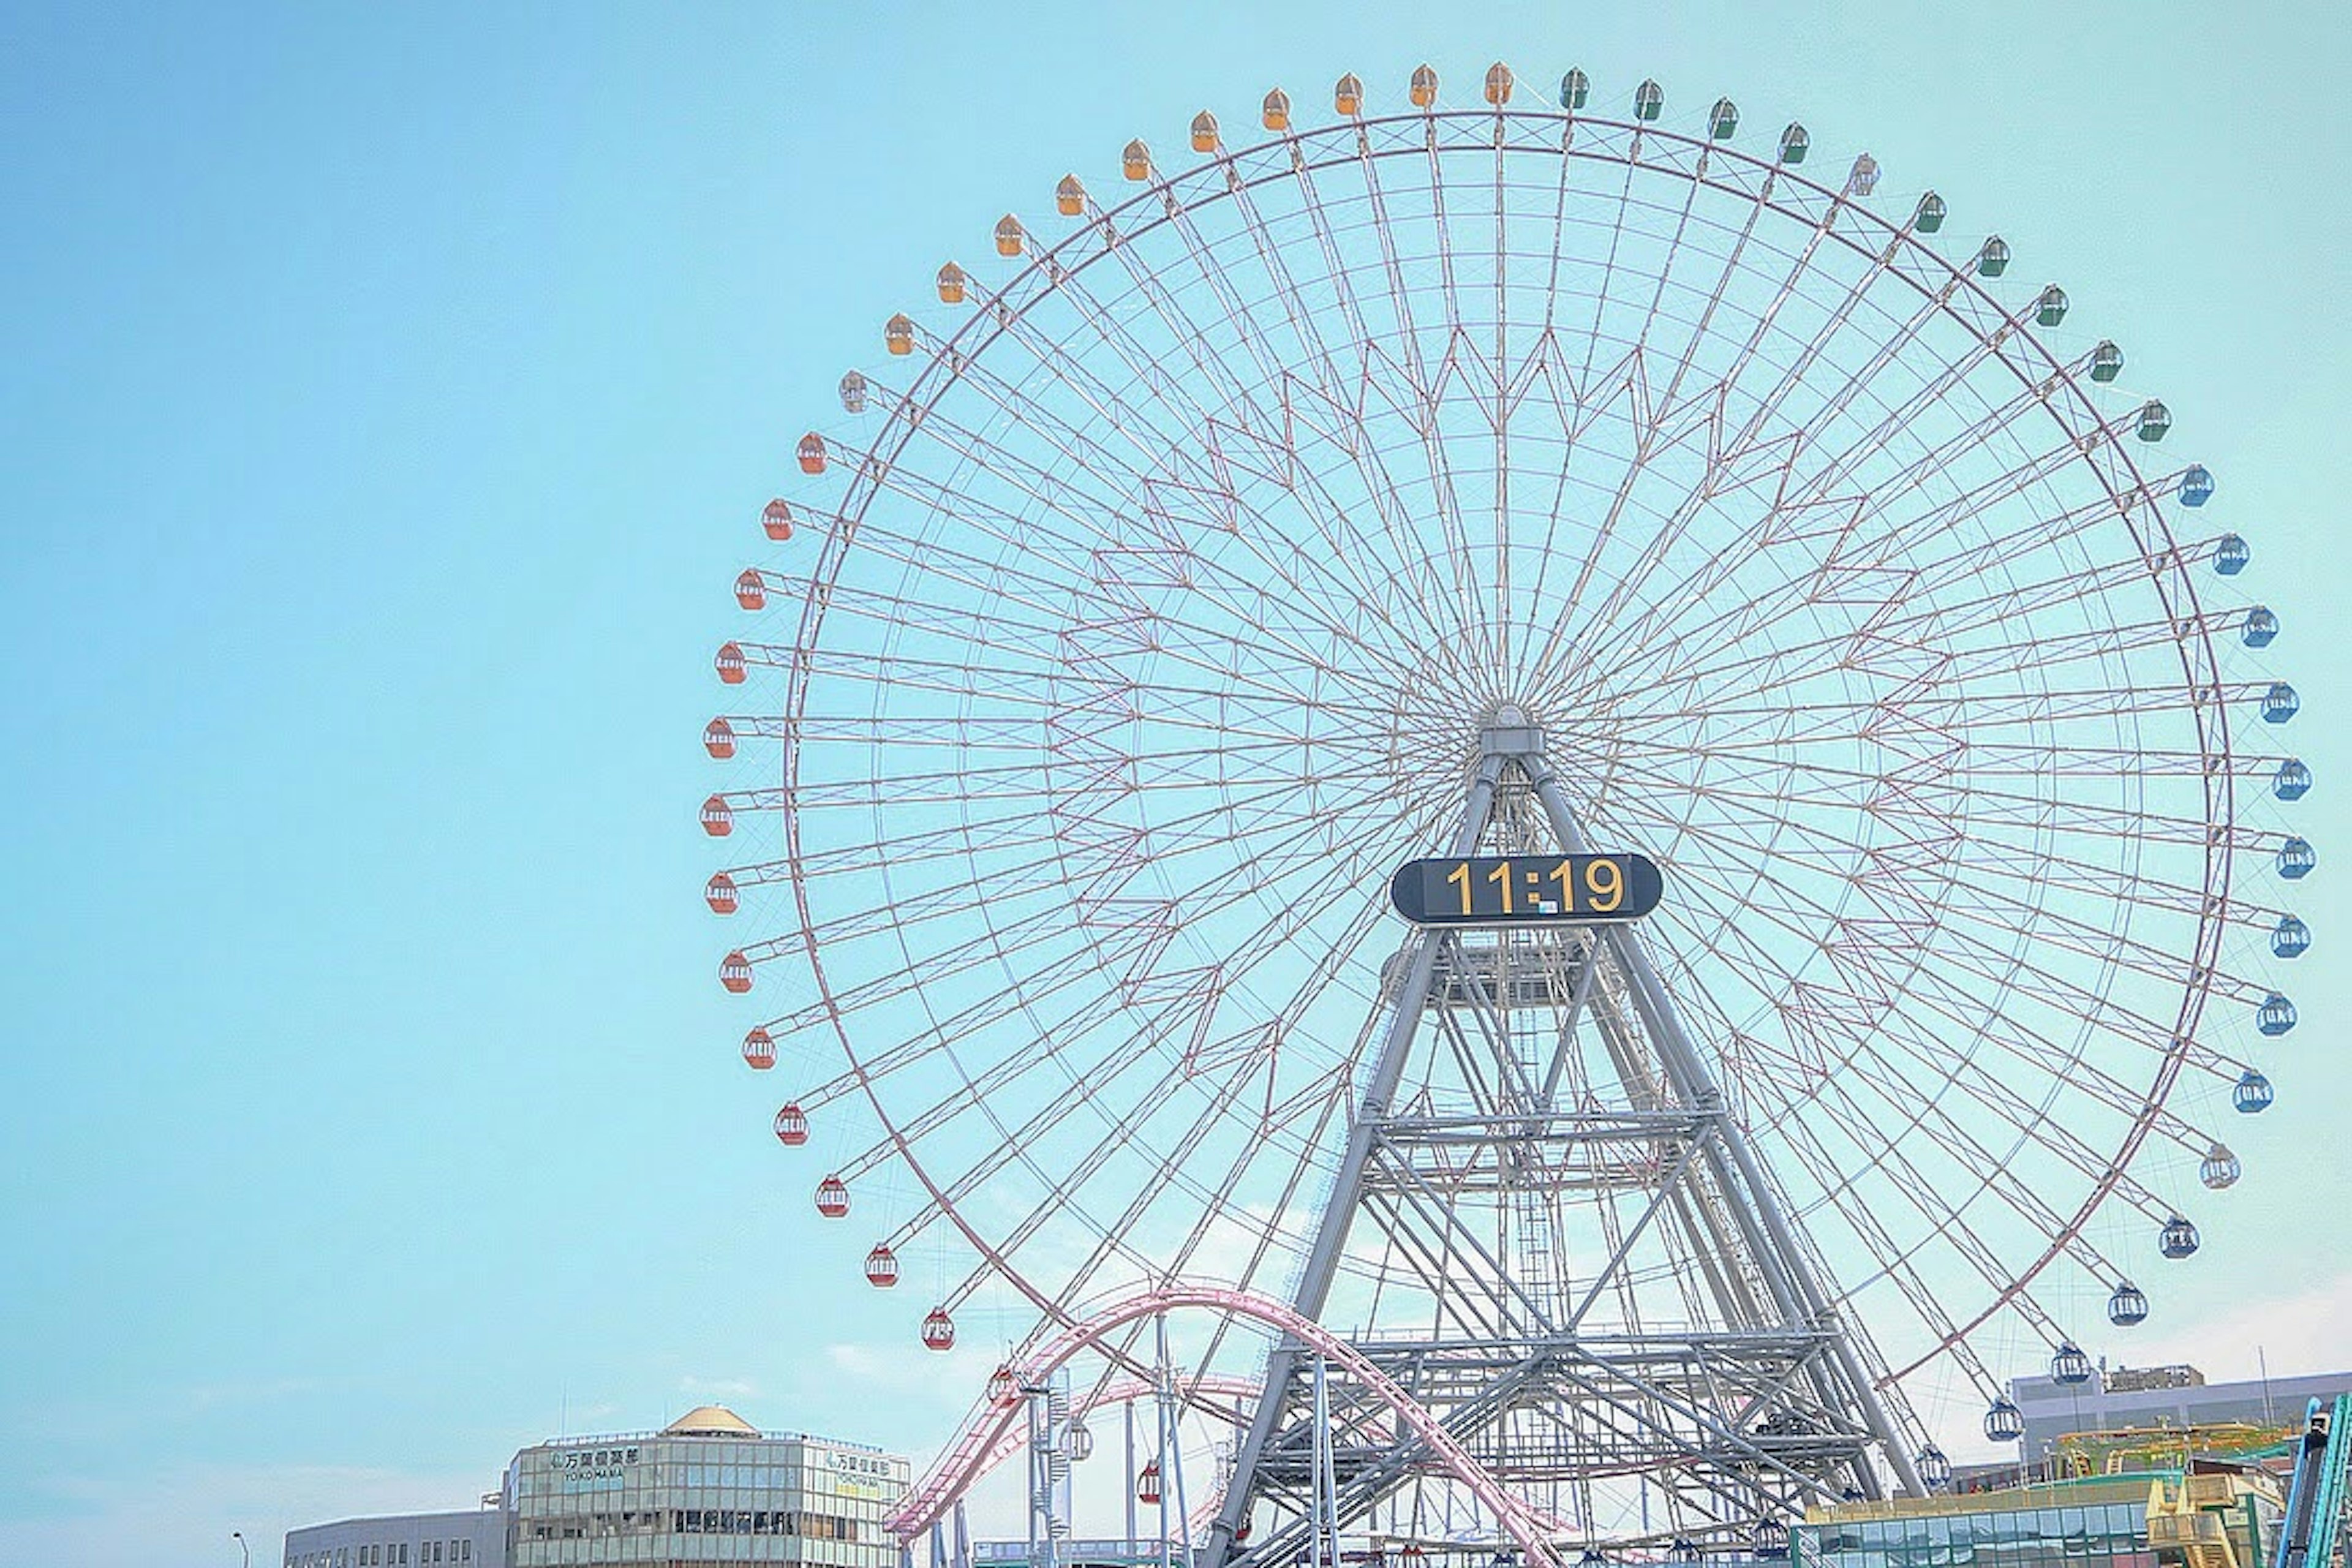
708,1489
2168,1519
474,1538
2174,1396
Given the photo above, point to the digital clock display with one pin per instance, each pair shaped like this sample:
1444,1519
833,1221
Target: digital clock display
1529,889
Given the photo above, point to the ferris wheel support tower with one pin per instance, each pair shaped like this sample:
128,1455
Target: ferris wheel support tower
1747,1417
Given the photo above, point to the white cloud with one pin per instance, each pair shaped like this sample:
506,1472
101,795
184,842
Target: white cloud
2309,1333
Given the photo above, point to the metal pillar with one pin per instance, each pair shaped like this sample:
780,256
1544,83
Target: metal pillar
1753,1401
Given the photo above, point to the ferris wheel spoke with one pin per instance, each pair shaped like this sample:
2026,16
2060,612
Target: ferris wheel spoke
1893,1261
1118,1138
1995,963
1331,391
1161,610
1729,378
1087,1277
1420,408
1211,480
1962,1010
1917,1107
1927,584
1834,555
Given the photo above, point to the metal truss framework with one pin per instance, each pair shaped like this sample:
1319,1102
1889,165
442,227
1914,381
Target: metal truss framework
1535,1363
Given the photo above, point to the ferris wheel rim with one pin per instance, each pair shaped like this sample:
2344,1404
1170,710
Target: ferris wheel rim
2132,493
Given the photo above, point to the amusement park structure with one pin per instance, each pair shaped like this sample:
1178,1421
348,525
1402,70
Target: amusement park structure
1573,497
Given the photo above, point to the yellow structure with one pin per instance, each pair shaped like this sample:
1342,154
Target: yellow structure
2151,1448
2159,1519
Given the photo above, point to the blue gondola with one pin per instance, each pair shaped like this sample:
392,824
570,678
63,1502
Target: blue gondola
1934,1469
2219,1168
2280,702
1772,1538
2253,1093
2261,627
2070,1365
2230,554
2295,859
2127,1307
2003,1422
2290,938
2293,780
2177,1238
2275,1016
2197,485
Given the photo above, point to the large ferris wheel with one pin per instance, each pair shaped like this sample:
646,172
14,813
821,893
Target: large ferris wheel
1506,480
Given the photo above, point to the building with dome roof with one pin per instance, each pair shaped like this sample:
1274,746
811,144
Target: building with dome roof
709,1489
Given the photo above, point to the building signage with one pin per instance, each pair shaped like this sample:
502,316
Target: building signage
592,1470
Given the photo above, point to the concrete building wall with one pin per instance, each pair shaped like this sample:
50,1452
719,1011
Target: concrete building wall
476,1538
2052,1409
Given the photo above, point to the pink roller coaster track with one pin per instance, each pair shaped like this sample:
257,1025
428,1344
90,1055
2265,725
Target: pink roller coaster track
985,1440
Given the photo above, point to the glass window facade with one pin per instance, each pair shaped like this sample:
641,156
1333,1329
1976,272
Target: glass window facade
724,1501
2091,1535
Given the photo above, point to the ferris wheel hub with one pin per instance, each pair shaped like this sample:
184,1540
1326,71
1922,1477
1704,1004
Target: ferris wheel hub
1509,732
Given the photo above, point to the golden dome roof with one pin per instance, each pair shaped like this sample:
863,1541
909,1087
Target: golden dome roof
711,1421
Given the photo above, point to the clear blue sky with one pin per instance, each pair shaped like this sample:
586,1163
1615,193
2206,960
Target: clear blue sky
386,405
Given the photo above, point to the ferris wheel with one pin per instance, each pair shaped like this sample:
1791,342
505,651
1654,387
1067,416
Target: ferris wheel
1167,578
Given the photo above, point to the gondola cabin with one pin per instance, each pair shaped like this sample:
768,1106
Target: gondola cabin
833,1199
718,816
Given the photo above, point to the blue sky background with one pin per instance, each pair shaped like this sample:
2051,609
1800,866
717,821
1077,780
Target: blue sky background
386,407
